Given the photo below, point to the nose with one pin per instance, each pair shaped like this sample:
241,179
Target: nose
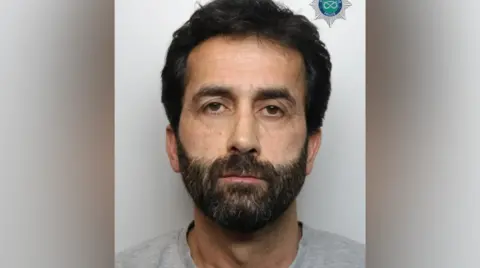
244,136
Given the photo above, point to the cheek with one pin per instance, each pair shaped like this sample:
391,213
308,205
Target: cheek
201,141
284,146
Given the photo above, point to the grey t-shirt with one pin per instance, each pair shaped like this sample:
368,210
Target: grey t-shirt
317,249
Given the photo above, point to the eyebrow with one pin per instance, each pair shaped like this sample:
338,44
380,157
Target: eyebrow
275,93
268,93
213,91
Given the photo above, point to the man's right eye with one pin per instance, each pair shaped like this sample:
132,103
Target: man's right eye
214,108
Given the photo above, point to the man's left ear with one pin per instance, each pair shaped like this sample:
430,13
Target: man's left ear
314,141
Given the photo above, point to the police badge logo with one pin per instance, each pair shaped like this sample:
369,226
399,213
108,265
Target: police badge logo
330,10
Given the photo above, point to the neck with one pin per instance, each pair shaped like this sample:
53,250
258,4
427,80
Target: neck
273,246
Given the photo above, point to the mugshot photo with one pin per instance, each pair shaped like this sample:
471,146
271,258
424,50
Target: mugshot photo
239,133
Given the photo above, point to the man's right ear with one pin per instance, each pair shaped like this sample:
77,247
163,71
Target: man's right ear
171,146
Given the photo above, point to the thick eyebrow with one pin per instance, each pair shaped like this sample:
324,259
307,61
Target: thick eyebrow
213,91
261,94
275,93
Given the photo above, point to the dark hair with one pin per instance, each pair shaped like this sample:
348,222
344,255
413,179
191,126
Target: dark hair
265,19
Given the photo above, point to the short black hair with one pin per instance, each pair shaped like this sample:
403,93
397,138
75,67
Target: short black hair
265,19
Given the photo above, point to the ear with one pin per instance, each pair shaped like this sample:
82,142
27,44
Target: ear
314,142
171,146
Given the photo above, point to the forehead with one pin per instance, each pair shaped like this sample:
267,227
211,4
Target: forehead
245,64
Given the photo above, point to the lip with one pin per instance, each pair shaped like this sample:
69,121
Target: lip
241,179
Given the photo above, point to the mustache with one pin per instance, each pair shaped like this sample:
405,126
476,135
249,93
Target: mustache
242,164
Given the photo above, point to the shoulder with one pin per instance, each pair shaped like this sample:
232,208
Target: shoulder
332,250
149,253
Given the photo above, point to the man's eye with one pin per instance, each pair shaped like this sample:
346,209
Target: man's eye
272,110
214,107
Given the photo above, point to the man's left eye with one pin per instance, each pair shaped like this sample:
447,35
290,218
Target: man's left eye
272,110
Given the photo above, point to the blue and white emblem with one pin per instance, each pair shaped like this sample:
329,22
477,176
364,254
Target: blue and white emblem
330,10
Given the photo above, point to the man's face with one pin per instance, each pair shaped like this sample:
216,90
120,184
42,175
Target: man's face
242,144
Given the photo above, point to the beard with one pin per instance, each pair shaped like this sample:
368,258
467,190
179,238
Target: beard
242,207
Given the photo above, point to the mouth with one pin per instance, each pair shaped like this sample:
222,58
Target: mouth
237,178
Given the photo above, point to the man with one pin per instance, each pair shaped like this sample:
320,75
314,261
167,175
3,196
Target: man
245,88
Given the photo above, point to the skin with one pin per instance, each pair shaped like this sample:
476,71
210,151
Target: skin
243,116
